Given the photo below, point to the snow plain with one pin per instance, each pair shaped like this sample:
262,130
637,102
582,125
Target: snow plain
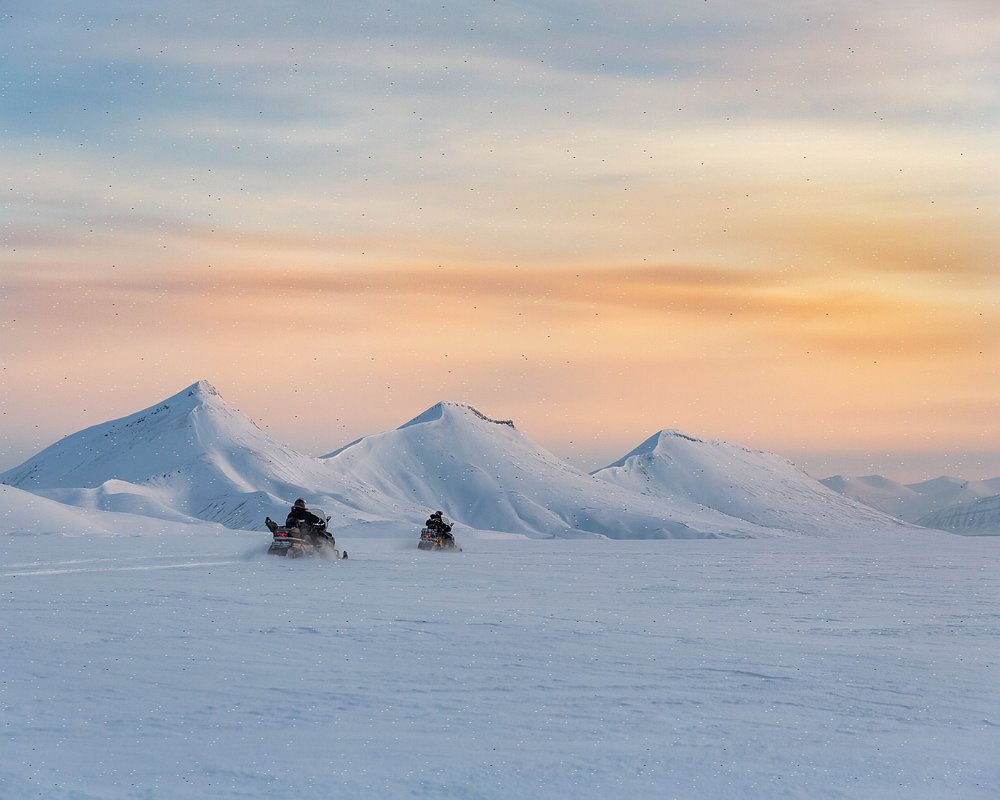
182,662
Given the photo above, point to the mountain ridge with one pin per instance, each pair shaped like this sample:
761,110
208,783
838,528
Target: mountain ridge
194,456
912,502
486,474
759,487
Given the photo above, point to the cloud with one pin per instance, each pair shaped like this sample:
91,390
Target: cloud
688,301
784,208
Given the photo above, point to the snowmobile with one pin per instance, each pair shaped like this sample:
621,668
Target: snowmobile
431,540
303,539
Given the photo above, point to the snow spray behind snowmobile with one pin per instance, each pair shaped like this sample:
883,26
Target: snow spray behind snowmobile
303,539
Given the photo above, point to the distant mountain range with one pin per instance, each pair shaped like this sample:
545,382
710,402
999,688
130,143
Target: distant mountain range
946,503
193,457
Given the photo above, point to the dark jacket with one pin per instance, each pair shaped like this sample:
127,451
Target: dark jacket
437,525
297,515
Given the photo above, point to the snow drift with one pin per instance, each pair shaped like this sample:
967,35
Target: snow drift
26,514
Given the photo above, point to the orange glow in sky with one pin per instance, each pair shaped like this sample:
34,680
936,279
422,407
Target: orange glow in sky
749,222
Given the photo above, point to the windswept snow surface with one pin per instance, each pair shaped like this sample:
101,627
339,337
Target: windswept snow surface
192,665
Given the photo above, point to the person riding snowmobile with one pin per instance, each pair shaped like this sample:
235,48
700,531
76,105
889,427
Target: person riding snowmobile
314,526
299,513
442,530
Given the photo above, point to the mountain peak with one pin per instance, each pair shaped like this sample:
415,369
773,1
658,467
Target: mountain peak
202,387
752,485
652,445
446,410
198,392
186,425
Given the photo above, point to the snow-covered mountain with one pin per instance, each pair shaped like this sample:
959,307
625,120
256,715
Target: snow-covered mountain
193,458
914,501
881,493
188,457
977,518
486,474
761,488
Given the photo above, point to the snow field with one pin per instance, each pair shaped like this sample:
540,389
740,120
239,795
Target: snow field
196,666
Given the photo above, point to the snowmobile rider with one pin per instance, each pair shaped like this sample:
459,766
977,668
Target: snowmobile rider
315,526
300,513
441,529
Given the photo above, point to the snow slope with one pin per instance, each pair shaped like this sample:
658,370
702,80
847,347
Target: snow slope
189,456
759,487
24,513
978,518
487,475
912,501
156,666
27,514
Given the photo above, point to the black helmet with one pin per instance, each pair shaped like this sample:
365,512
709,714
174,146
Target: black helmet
300,503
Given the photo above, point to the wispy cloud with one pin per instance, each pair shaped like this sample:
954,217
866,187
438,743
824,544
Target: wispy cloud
790,204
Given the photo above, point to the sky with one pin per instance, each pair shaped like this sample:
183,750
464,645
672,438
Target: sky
770,223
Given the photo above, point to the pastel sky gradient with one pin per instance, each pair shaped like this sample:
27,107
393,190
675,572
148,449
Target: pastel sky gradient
772,223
